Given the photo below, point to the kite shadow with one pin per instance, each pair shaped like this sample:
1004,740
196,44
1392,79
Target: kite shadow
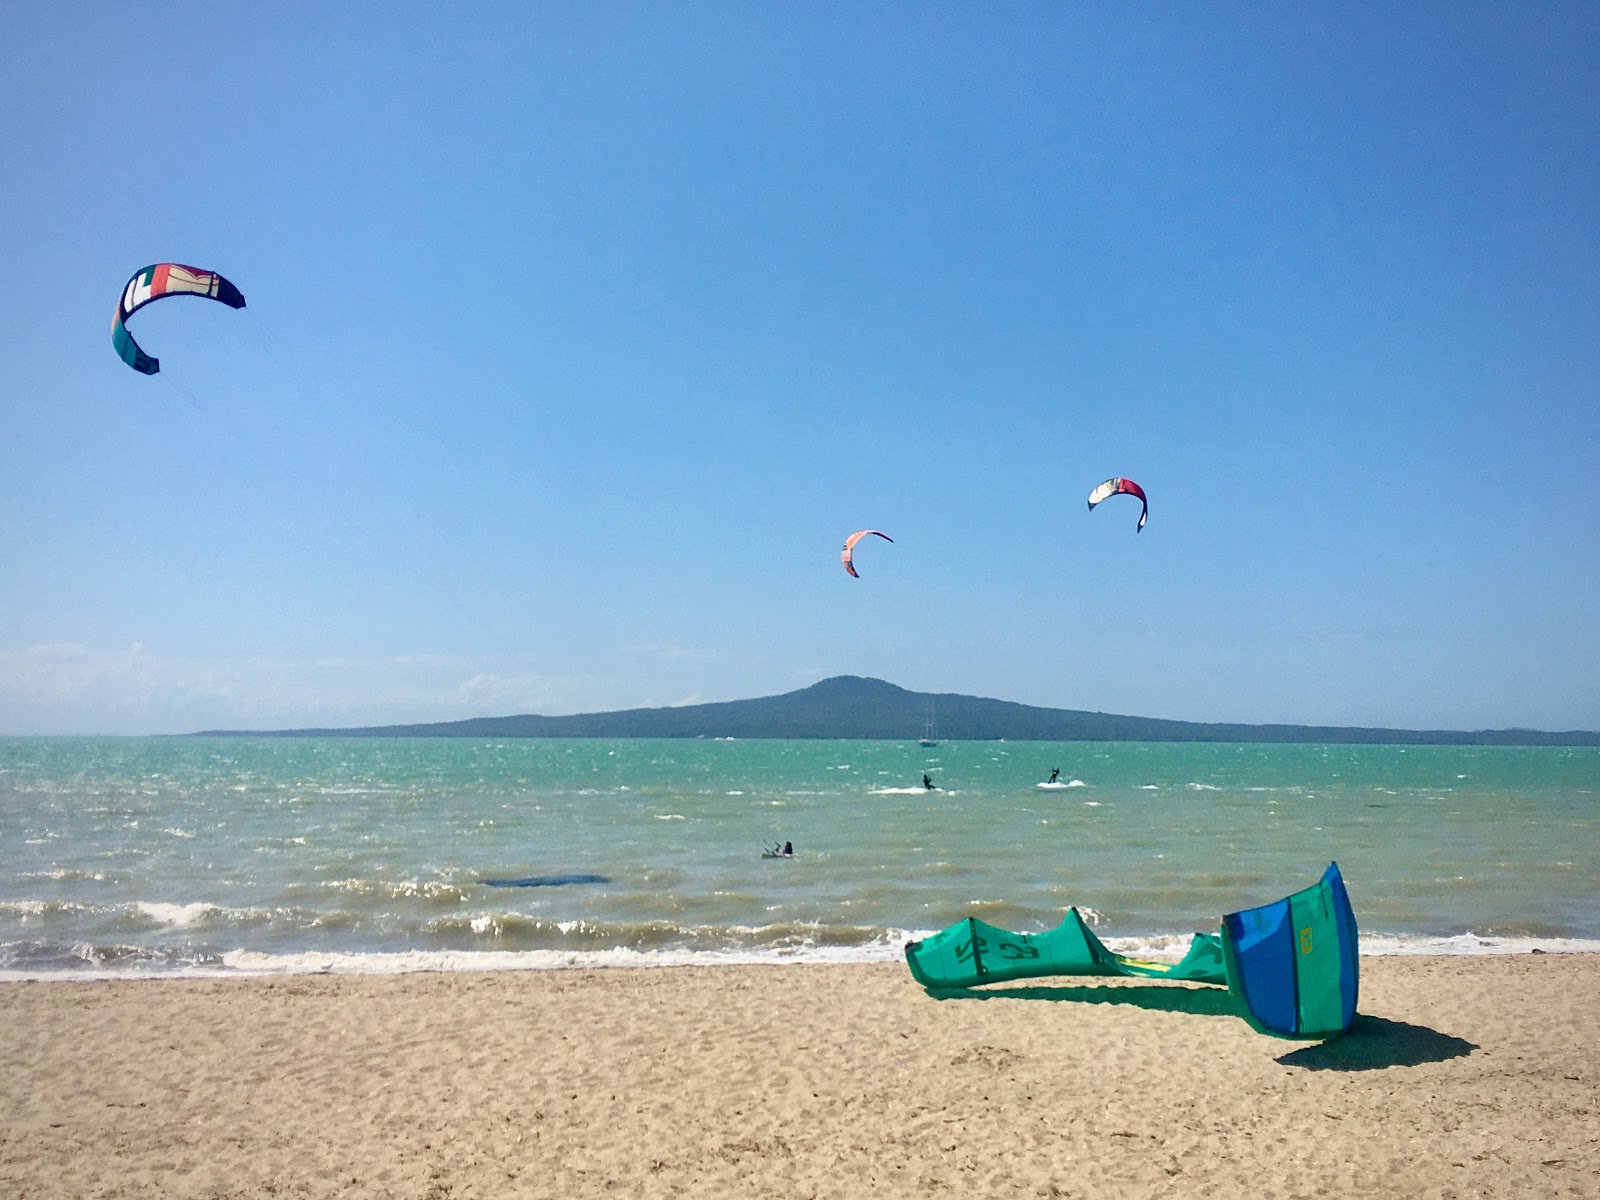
1207,1002
1371,1044
1374,1043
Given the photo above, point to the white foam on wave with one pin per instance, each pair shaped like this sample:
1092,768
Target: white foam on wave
1475,944
38,908
250,962
178,915
887,948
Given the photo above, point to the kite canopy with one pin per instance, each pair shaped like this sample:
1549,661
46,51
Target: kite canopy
1121,487
156,282
973,952
847,553
1293,963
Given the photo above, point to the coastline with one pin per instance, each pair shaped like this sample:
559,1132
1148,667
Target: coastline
1465,1075
884,947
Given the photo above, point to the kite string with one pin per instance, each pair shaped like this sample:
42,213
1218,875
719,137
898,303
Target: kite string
211,416
182,391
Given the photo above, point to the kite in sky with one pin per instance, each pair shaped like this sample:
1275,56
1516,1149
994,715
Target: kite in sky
1112,487
154,283
850,545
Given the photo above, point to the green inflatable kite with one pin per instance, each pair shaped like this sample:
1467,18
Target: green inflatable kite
1291,964
973,952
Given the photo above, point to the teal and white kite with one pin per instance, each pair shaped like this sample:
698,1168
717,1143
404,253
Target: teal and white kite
154,283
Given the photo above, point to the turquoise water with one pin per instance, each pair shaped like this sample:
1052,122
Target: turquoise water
205,855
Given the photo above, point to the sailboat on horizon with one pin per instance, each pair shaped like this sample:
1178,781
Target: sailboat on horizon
927,738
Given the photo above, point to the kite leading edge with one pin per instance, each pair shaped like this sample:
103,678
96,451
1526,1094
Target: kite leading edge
1119,486
847,553
154,283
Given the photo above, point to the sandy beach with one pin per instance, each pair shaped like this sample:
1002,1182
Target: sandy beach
1464,1077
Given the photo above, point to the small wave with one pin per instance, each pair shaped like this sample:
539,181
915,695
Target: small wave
433,890
27,960
671,817
244,962
1475,944
178,915
572,945
67,875
42,908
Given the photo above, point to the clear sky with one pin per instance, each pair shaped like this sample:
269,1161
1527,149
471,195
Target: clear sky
580,335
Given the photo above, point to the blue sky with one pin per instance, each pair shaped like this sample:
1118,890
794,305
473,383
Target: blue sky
579,336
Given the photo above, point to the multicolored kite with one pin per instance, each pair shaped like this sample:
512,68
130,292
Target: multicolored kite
850,545
154,283
1112,487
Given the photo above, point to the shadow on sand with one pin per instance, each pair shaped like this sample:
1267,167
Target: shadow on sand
1162,998
1377,1042
1371,1044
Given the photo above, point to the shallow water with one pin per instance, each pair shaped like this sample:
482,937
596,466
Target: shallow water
200,855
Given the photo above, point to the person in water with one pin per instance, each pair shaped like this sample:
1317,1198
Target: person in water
788,849
927,782
1055,773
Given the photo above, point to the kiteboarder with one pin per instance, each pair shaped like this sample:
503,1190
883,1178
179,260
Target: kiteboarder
788,849
927,782
1055,773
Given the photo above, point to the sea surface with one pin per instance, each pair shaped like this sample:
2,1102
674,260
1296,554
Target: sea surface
231,856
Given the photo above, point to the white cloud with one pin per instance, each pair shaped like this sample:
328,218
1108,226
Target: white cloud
670,652
68,688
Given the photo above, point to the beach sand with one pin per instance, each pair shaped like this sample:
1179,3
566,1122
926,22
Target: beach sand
1463,1077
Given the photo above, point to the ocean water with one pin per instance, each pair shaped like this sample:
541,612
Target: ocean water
162,856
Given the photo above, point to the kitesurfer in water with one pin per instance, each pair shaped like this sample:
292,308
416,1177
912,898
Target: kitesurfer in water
788,849
927,782
1055,773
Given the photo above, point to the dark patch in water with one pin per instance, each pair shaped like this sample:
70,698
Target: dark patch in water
548,880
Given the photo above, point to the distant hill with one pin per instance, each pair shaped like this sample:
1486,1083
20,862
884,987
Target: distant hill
848,706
